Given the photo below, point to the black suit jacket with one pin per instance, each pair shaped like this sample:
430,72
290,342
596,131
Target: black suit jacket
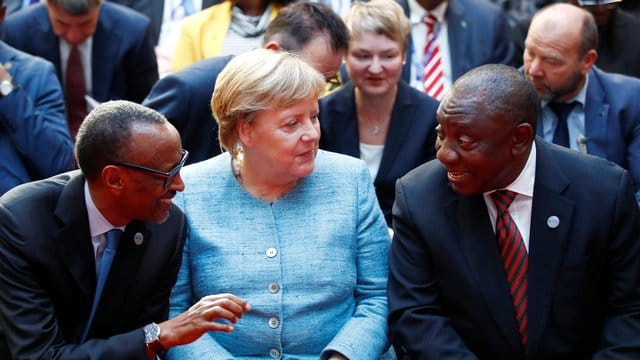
618,45
48,278
123,62
184,98
448,295
410,140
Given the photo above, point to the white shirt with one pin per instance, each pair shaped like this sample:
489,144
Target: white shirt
419,41
98,225
520,208
372,156
85,57
575,121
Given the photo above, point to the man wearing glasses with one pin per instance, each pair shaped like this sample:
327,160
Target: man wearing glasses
88,258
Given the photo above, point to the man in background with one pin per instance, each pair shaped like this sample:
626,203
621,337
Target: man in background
34,139
583,107
311,30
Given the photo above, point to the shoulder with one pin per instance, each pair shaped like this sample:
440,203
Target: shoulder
22,62
419,98
202,174
339,167
203,70
114,16
615,82
26,17
41,195
208,15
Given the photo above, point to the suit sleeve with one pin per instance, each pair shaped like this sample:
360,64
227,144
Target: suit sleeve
364,336
414,304
27,315
171,96
619,337
35,122
633,146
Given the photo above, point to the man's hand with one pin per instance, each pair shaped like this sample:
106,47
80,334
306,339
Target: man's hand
199,319
4,74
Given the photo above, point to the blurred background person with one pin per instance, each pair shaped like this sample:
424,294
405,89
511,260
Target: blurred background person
34,138
618,34
451,37
293,230
166,18
100,49
378,117
583,107
312,31
228,28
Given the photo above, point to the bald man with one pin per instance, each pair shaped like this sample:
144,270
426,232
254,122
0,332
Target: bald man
508,247
583,107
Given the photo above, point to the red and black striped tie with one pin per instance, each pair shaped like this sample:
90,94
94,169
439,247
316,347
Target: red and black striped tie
514,255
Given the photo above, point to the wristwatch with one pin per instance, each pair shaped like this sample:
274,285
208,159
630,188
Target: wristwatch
6,87
152,340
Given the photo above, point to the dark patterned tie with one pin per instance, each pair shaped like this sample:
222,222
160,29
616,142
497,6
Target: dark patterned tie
562,111
514,255
74,91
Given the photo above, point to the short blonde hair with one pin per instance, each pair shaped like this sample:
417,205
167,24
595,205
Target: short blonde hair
258,80
384,17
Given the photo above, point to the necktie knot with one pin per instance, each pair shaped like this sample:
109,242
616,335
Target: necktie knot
430,20
503,199
562,109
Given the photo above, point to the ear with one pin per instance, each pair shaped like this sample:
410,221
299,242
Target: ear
587,62
523,136
246,133
272,45
3,12
113,178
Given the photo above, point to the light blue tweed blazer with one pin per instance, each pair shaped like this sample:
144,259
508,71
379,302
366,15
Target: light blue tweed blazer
313,265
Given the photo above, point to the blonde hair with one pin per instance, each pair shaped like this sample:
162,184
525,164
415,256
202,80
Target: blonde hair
384,17
258,80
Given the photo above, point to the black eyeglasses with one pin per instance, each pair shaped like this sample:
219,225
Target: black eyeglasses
169,176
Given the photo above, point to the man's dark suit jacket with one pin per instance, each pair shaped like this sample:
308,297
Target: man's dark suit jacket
123,62
618,45
612,121
478,34
410,139
184,98
48,278
448,296
154,10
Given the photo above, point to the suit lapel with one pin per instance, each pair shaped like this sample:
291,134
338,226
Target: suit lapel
74,237
458,44
105,41
479,247
344,122
399,126
595,117
547,244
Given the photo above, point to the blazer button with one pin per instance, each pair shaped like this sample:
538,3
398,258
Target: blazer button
271,252
275,353
274,322
274,288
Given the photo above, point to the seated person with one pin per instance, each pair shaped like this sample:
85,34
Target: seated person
377,116
293,230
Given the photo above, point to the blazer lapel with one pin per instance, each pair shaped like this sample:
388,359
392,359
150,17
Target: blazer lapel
398,129
344,122
551,214
596,113
479,246
74,237
458,44
102,66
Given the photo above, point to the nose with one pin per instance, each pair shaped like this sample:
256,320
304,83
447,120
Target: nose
376,65
445,154
534,69
177,184
74,36
311,131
